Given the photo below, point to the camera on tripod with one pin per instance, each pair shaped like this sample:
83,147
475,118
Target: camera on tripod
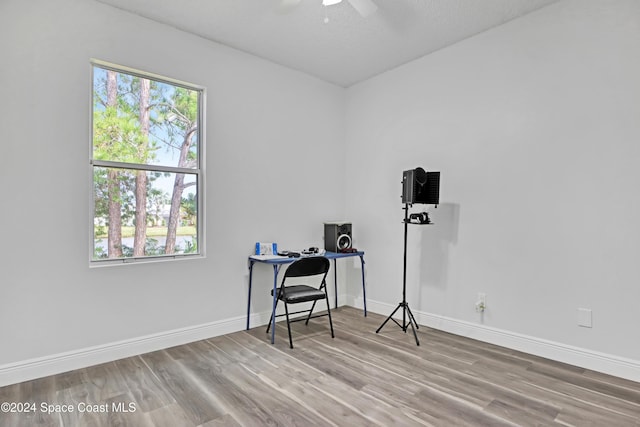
419,218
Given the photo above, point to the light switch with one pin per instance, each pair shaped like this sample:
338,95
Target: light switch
584,317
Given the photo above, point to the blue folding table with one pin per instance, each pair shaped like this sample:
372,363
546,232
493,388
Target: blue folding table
278,261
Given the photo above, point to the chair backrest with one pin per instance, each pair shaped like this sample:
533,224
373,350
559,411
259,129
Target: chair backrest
309,266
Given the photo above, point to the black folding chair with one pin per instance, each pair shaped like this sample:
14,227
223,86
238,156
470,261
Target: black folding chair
298,293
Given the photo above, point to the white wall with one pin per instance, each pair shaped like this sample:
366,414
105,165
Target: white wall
534,126
272,174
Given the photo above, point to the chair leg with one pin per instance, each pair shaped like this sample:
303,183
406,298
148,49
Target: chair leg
286,310
310,311
329,313
272,318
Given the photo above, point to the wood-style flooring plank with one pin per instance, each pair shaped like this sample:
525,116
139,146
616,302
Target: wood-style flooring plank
168,416
145,387
358,378
185,388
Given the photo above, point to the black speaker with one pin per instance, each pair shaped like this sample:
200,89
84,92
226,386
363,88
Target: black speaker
419,186
337,236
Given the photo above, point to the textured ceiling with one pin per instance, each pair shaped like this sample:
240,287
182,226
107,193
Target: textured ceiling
348,48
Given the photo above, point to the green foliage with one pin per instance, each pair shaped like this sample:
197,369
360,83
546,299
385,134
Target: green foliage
126,182
98,252
116,137
152,247
129,231
190,208
191,247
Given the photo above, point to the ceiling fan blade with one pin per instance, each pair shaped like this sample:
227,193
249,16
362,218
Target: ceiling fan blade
364,7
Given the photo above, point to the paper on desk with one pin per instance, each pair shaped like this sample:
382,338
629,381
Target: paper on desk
266,257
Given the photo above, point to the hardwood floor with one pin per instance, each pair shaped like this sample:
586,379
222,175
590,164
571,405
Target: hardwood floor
360,378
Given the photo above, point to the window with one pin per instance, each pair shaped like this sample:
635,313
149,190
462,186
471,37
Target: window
147,166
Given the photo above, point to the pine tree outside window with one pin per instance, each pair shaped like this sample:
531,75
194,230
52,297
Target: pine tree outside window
147,151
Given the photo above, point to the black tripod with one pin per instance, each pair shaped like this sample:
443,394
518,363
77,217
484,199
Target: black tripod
406,311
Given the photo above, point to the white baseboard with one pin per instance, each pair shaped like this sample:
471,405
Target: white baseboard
584,358
30,369
62,362
13,373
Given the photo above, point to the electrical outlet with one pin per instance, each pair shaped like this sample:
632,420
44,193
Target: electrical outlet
481,302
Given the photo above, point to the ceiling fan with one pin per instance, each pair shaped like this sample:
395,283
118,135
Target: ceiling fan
364,7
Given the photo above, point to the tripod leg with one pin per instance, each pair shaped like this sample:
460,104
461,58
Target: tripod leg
388,318
411,318
415,335
412,322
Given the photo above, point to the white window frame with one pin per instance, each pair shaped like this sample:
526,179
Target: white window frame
199,172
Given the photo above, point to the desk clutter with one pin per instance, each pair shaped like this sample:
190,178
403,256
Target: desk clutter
337,238
267,249
305,252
